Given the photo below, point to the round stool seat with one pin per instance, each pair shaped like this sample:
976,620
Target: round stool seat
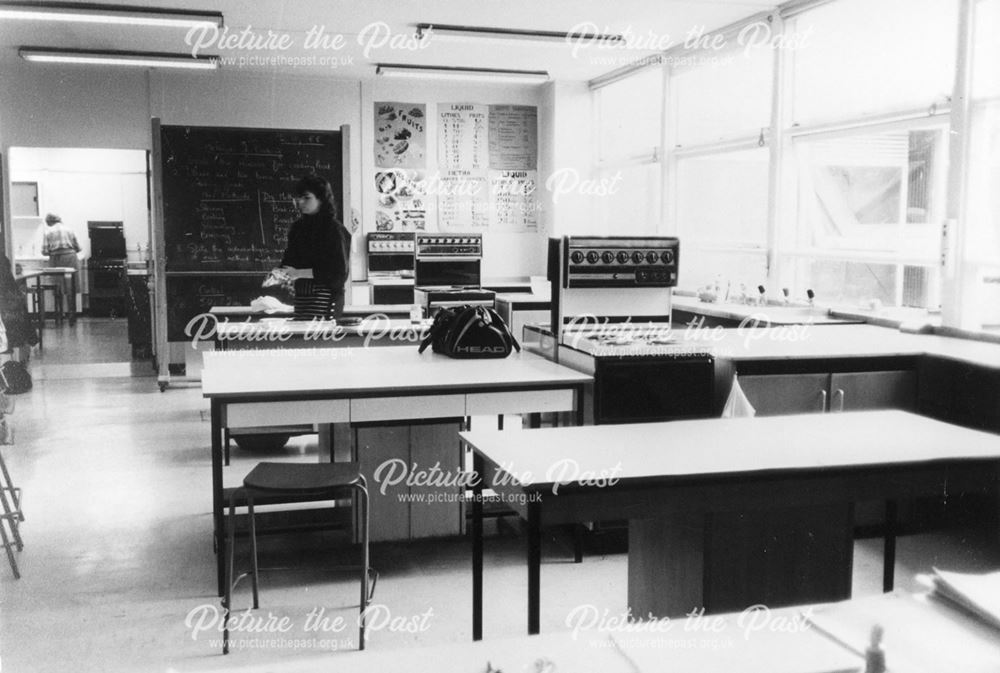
302,477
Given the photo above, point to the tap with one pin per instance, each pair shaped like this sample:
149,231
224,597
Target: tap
762,299
785,293
811,295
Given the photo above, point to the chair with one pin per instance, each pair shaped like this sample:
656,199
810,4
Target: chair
304,482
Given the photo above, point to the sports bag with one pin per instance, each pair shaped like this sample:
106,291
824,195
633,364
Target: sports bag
14,378
470,332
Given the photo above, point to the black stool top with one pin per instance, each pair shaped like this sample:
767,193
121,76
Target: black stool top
302,477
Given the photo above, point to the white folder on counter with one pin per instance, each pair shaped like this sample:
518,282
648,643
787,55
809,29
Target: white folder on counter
738,406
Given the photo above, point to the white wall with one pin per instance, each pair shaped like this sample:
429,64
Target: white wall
82,185
95,107
506,255
570,150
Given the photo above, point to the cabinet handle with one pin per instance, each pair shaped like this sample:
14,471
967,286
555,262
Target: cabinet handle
822,401
839,393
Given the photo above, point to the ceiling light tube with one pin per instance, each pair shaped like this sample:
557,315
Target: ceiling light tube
85,12
140,59
446,30
450,73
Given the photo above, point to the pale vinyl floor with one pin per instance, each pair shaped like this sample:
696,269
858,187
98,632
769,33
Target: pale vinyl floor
118,545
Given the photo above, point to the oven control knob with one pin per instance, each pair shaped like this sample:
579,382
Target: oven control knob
637,257
576,257
667,256
622,257
607,257
651,257
593,257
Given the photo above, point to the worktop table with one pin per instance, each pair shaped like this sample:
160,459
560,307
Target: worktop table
725,513
318,387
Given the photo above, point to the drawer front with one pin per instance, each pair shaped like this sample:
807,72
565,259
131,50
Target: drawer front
266,414
406,408
519,402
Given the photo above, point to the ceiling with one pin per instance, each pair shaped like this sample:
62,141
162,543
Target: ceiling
381,31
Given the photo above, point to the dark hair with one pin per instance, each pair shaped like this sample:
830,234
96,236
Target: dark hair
321,189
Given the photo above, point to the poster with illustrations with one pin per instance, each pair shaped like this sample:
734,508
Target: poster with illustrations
400,135
401,200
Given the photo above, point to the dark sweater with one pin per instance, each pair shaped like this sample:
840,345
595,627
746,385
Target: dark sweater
321,243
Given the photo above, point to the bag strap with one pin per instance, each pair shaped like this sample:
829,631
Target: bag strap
497,319
442,323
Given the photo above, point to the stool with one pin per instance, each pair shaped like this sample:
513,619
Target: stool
304,481
38,300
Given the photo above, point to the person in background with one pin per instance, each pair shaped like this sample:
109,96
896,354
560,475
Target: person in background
61,246
318,255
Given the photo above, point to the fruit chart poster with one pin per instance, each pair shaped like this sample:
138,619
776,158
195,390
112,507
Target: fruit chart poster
400,135
400,161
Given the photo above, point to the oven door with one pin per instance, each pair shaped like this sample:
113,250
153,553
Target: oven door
635,390
448,272
381,263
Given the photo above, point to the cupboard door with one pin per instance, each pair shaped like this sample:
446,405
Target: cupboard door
778,394
436,509
389,513
873,390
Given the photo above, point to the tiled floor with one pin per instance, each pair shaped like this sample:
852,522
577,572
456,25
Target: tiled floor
118,566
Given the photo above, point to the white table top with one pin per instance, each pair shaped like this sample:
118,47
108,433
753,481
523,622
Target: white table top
267,330
385,370
717,446
796,342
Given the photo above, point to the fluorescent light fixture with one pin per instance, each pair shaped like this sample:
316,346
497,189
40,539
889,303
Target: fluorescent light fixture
86,12
452,31
476,74
141,59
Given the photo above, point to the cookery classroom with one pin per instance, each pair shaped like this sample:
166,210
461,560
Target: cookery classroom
473,336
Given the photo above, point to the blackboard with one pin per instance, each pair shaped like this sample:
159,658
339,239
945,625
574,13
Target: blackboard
225,207
189,296
227,192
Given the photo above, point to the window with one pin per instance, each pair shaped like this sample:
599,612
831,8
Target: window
722,217
981,287
629,117
721,100
629,138
856,58
867,215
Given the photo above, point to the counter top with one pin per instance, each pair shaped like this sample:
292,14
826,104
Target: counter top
797,342
353,310
279,329
774,314
740,446
789,342
525,300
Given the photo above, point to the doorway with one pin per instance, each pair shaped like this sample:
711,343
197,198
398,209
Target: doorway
96,193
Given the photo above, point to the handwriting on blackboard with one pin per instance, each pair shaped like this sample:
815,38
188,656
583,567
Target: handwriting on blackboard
227,193
227,208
